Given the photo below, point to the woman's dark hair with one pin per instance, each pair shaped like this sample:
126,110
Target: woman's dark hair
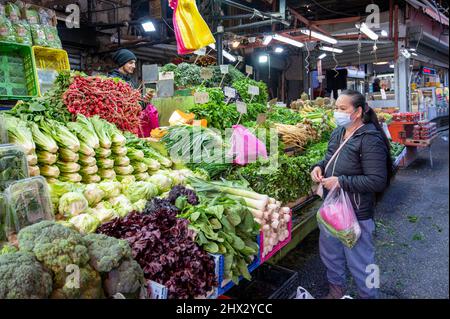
369,116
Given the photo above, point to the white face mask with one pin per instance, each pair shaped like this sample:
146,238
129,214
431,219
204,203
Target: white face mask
342,119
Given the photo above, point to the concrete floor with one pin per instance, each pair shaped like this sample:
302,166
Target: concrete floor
412,236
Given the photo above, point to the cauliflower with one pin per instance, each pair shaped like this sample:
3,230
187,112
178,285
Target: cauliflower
128,280
23,277
106,252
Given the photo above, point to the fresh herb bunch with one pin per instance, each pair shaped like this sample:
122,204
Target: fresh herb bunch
242,86
284,116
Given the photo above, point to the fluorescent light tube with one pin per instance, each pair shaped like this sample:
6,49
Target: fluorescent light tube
279,50
319,36
330,49
322,56
267,39
148,26
367,31
288,41
263,58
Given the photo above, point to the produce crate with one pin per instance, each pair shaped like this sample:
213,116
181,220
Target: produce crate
50,59
225,285
268,282
278,246
18,77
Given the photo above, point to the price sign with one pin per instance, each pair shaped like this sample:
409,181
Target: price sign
166,75
206,73
201,97
241,107
249,69
253,90
383,94
230,92
224,68
261,118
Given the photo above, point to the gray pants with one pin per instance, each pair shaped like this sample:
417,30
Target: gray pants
336,255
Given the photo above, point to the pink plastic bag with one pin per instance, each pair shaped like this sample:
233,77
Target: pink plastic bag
245,147
338,217
149,120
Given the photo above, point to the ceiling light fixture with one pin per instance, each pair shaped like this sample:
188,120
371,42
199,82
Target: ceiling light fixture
330,49
263,58
320,57
288,41
235,44
267,39
319,36
226,54
381,63
279,50
148,26
384,33
367,31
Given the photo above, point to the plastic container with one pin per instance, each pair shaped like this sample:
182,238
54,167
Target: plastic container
49,59
18,77
13,165
268,282
3,131
28,202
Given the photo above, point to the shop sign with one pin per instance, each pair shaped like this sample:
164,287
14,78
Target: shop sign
241,107
428,71
201,97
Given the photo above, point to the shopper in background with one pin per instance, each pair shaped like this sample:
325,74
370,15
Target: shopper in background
126,65
376,85
362,168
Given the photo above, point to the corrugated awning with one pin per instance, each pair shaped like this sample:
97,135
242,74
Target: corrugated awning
436,15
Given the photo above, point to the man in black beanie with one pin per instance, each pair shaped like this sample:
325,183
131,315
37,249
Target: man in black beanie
126,64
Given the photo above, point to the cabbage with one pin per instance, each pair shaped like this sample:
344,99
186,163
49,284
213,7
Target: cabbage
152,164
88,170
72,204
93,194
108,174
46,158
101,128
103,214
86,149
50,171
68,167
70,177
42,141
111,189
88,179
122,205
121,161
105,163
58,189
135,155
87,160
142,176
85,223
103,152
139,190
178,177
139,206
162,181
124,170
32,159
104,205
126,178
140,167
119,150
67,155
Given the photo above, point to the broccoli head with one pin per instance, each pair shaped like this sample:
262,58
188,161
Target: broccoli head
54,245
7,248
23,277
106,252
78,283
127,279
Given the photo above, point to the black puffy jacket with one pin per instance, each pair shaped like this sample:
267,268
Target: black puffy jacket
361,167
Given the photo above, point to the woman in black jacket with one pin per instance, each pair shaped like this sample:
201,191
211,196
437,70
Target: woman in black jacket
362,168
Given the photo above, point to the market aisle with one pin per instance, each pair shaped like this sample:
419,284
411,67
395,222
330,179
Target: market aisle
412,234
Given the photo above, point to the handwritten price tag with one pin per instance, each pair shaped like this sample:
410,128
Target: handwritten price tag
253,90
249,69
224,68
206,73
241,107
201,97
166,75
230,92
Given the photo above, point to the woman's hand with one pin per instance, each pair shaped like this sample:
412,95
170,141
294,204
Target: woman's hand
330,182
316,174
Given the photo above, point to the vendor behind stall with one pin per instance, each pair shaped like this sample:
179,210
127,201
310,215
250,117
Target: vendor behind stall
126,65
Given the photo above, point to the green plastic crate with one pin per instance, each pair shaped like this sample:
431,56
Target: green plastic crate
18,77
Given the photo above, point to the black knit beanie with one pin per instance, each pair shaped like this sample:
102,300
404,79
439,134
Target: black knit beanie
122,56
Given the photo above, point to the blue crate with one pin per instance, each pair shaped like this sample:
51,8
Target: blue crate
255,264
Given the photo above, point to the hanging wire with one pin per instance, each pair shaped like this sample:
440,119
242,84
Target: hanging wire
336,65
307,59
